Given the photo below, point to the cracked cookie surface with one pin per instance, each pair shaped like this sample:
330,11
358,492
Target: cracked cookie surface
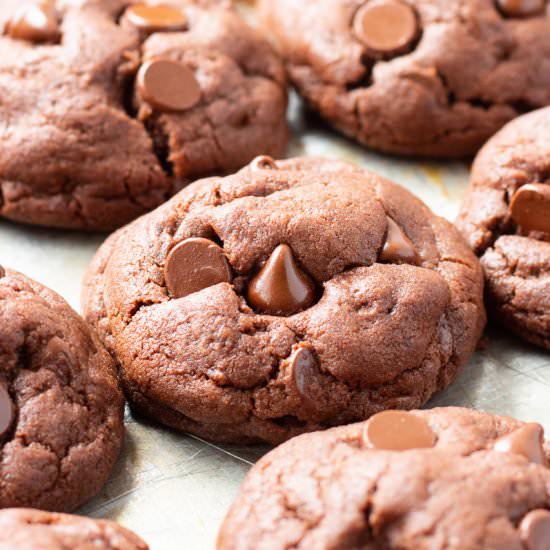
469,489
28,529
516,259
441,88
61,409
86,146
323,294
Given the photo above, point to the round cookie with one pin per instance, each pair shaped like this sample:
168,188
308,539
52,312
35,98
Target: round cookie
28,529
286,298
429,78
111,106
445,478
61,410
506,219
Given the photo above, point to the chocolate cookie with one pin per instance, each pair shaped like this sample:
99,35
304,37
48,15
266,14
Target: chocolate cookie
447,478
506,219
110,106
61,410
416,77
288,297
27,529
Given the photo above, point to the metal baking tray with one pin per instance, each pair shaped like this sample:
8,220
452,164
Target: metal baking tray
173,489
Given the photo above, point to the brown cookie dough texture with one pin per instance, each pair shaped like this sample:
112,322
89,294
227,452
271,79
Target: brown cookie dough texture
506,220
111,106
416,77
27,529
301,305
61,410
456,484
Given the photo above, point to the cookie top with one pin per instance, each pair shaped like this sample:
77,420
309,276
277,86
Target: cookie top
416,77
61,424
27,529
288,297
110,106
445,478
505,218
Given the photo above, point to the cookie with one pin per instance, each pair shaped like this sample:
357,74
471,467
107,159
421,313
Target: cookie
111,106
446,478
27,529
427,78
61,409
506,219
289,297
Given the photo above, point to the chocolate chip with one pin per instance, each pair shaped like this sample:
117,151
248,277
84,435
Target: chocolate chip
530,207
397,431
527,441
34,23
263,163
156,18
304,371
521,8
2,272
168,86
281,287
386,26
6,411
534,530
398,248
195,264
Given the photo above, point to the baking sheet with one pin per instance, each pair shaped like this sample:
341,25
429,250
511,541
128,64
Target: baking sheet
173,489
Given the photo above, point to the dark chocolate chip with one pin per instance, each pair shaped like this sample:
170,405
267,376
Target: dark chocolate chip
281,287
263,163
386,26
530,207
534,530
6,411
195,264
304,372
398,248
526,441
168,85
521,8
398,431
156,18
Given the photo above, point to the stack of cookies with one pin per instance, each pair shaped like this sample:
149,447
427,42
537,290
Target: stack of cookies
306,302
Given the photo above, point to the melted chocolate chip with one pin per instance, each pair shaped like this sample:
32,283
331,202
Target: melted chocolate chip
263,163
168,85
530,207
156,18
304,371
34,23
534,530
397,431
195,264
521,8
7,412
527,441
398,248
281,287
386,26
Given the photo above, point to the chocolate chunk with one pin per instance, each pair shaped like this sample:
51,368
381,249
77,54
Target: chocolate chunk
34,23
526,441
530,207
397,431
304,371
398,247
534,530
281,287
6,411
195,264
263,163
168,85
156,18
521,8
386,26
